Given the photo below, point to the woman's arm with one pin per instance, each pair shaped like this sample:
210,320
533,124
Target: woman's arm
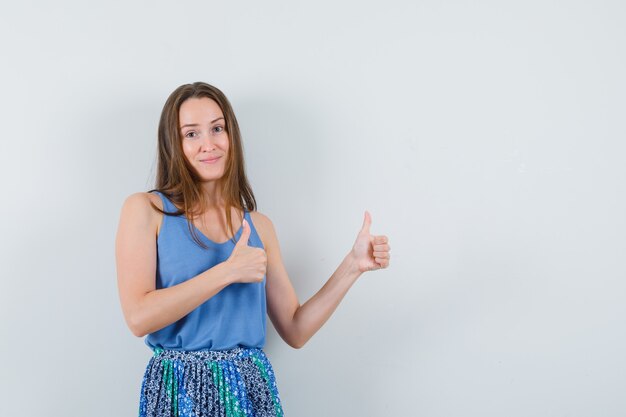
145,308
296,323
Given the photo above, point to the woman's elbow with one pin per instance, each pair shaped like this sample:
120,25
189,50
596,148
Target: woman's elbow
136,326
296,342
295,345
138,332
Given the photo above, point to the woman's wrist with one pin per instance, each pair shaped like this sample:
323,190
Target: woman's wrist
223,273
352,265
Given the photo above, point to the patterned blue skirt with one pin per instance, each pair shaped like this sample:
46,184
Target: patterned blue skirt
205,383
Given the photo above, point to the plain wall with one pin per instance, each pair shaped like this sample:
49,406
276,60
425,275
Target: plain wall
486,138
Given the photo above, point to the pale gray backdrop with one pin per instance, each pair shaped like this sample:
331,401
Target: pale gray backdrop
486,138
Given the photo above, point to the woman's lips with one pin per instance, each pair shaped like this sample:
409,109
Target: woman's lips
210,161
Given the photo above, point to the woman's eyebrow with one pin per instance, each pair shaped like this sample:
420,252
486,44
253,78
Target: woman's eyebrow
196,124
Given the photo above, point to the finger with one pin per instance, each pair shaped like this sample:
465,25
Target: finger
367,221
382,248
245,234
384,263
381,255
379,240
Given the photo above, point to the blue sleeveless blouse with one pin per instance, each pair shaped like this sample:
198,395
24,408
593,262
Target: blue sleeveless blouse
235,316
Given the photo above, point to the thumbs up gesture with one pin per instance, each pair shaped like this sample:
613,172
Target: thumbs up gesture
370,252
247,263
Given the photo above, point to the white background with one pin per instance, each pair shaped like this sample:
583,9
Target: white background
485,138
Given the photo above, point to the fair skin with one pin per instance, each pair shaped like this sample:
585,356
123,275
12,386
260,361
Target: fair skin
147,309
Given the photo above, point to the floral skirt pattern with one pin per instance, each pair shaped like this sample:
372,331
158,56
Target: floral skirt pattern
228,383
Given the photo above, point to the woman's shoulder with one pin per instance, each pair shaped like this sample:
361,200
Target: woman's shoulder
260,219
263,226
138,208
142,200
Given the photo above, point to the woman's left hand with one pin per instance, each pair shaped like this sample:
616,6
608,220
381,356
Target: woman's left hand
370,252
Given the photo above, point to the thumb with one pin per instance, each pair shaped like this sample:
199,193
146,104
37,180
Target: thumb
245,234
366,222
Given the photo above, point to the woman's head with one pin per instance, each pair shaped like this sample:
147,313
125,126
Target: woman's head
204,138
198,123
198,101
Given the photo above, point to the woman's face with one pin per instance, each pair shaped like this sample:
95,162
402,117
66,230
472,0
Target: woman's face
204,139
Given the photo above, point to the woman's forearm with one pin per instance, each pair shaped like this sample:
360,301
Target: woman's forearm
160,308
312,315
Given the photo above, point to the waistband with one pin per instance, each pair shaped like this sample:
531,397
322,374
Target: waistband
211,355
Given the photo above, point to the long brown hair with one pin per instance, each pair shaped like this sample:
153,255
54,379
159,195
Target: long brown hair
179,181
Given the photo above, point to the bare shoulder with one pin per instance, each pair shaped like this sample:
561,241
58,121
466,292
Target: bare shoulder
258,217
138,208
264,227
141,201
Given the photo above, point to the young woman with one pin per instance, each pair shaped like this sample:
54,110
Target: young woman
199,290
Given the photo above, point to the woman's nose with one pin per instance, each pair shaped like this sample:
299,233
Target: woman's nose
207,142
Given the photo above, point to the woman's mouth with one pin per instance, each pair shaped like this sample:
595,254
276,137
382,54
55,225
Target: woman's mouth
210,161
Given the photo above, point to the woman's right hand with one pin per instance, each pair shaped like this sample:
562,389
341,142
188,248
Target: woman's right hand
247,264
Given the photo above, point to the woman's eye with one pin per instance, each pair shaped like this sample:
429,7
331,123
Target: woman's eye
218,129
190,134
